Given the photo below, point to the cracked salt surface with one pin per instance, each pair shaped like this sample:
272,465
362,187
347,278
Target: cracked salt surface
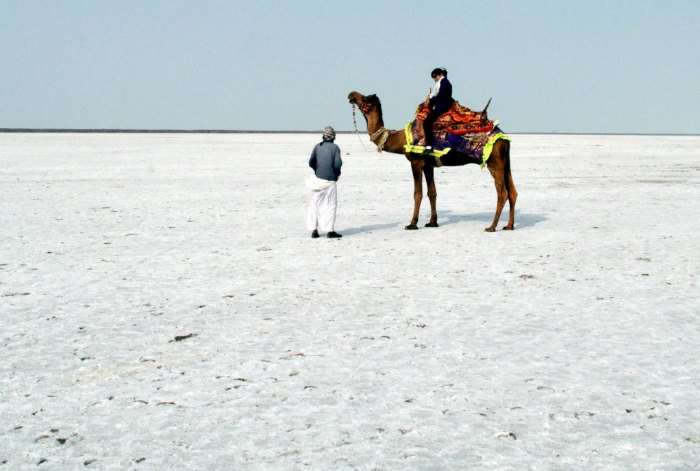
161,306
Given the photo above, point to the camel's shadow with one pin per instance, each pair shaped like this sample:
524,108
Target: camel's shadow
521,219
449,217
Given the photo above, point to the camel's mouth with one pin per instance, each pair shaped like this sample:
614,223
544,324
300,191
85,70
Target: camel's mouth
355,98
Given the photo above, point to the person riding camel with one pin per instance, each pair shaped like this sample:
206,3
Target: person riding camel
439,102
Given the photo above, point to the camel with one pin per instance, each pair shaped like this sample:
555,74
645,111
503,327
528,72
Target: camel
394,141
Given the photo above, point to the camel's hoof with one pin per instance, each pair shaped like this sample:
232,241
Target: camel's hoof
432,224
508,228
411,227
490,229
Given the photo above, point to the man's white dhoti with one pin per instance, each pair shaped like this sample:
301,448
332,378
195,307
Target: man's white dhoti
323,201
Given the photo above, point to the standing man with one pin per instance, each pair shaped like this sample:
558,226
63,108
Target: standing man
439,101
326,162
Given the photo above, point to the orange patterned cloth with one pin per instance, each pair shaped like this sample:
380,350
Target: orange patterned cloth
458,120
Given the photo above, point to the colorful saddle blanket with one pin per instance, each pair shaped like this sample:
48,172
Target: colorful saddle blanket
459,129
458,120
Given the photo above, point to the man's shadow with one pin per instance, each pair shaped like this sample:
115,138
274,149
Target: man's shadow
369,228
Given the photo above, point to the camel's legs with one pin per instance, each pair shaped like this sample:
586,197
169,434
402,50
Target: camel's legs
512,197
417,169
428,170
497,174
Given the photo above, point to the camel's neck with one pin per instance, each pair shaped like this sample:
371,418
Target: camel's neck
374,122
396,141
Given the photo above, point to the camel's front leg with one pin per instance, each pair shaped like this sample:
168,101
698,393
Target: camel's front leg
428,170
417,169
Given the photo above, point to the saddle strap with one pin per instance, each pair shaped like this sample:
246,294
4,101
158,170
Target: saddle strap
379,138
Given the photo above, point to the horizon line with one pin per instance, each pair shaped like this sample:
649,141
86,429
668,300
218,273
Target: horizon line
289,131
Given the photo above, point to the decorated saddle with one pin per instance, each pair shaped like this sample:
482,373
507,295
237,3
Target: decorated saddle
459,129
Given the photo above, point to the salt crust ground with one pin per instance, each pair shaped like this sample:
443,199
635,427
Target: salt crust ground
569,344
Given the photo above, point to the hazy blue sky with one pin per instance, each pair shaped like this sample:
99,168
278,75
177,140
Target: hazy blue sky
584,66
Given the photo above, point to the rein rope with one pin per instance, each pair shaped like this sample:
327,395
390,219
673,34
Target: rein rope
357,131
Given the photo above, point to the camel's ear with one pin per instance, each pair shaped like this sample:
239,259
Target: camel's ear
372,97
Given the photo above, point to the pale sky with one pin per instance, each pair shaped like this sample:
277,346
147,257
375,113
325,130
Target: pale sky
593,66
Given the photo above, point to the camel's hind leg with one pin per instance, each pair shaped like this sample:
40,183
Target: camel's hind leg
502,197
512,197
510,187
497,165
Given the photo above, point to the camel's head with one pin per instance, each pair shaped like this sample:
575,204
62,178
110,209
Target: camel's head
366,104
